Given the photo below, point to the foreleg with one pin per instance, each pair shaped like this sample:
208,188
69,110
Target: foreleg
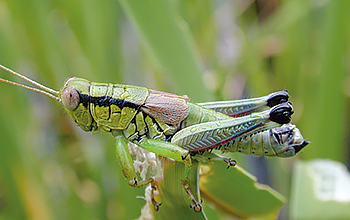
127,165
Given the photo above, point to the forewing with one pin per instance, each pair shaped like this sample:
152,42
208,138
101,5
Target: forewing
170,110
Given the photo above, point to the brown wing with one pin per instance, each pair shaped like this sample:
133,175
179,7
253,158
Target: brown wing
168,109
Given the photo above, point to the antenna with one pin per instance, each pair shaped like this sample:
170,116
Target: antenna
43,89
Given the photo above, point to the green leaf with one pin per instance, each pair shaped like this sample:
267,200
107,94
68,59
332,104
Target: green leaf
170,43
237,192
175,201
233,191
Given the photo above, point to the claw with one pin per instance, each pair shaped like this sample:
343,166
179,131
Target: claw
196,207
230,163
156,205
133,182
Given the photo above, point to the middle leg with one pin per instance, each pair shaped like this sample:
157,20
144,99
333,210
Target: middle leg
177,153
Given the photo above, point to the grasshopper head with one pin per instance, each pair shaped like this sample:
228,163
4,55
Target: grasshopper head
74,98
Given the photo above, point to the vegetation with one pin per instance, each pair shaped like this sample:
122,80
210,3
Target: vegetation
208,50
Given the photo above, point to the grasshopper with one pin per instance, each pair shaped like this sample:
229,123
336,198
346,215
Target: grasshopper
171,126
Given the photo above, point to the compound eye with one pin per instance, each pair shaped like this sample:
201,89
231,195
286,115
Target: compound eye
70,98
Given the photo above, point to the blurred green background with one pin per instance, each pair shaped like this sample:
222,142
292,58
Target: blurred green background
206,49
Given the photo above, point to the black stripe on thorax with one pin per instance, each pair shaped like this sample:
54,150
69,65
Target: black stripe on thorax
106,101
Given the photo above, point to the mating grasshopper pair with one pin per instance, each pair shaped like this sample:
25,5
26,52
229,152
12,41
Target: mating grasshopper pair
171,126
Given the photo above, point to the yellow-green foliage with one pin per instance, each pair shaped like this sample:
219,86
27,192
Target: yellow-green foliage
208,50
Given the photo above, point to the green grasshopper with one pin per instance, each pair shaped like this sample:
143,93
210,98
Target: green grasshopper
171,126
